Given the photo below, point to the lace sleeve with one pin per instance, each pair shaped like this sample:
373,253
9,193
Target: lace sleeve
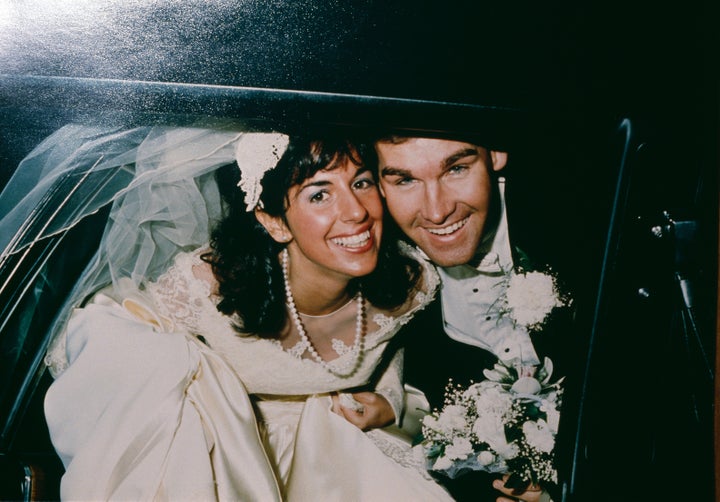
390,385
181,295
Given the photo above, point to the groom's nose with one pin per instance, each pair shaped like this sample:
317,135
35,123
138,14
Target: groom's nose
437,205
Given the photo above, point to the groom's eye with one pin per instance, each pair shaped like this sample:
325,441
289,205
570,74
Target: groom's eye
458,168
403,180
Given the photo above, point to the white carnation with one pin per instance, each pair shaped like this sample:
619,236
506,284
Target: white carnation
538,435
531,296
493,400
459,449
490,428
452,419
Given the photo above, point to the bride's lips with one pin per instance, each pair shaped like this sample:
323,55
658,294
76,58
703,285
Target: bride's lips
448,229
360,241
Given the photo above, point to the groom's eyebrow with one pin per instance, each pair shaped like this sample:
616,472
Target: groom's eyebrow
465,152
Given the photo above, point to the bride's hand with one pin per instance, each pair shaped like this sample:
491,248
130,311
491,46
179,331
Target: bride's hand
376,410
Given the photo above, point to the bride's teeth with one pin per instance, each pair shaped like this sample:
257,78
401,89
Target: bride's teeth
358,240
449,229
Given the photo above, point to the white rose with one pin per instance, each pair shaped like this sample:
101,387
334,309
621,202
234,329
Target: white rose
486,458
526,385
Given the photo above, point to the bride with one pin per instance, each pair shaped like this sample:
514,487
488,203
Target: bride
254,367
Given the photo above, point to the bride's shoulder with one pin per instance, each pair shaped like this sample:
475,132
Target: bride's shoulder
191,272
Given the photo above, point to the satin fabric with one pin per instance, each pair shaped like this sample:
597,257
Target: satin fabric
145,415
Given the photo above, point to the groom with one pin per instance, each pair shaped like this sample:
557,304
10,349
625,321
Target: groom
448,198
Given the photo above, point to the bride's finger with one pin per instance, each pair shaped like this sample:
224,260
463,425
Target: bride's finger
354,417
336,406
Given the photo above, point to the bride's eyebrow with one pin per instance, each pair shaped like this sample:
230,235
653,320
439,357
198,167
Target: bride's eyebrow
363,170
312,184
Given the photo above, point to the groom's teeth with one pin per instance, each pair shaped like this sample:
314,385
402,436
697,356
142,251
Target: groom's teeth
449,229
353,241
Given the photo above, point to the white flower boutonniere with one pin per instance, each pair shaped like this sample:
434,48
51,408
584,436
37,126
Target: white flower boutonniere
530,297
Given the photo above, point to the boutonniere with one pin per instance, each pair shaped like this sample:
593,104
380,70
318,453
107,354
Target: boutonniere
530,295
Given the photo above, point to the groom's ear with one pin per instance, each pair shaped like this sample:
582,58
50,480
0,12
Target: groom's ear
499,159
275,226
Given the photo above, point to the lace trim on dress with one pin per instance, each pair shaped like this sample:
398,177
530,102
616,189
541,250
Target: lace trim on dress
410,458
180,294
296,350
340,347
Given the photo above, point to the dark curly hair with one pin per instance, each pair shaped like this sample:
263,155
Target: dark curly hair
244,257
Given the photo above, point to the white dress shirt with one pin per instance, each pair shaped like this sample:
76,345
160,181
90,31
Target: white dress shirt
470,299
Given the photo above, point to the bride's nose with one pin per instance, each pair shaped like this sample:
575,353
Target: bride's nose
352,208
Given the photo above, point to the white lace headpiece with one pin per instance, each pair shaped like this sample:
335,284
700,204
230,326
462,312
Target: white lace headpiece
257,153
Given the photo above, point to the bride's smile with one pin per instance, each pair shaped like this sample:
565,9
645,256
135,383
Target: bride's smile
335,219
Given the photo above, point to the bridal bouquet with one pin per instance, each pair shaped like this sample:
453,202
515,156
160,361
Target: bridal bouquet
506,423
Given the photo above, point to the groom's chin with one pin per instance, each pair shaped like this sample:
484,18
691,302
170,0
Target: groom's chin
449,257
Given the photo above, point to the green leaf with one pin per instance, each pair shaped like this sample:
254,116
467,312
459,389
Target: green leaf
523,260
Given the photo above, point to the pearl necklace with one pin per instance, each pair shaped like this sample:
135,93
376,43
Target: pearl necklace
346,370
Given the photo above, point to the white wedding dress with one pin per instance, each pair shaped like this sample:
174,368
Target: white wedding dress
154,403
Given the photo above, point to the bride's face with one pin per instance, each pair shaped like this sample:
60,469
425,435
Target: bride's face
335,220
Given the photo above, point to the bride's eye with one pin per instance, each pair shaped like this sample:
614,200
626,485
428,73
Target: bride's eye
319,196
363,183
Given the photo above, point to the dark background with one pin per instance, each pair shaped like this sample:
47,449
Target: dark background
653,61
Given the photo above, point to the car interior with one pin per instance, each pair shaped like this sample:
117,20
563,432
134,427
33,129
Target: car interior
623,204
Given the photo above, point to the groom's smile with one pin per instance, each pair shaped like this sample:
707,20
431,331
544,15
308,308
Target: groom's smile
450,229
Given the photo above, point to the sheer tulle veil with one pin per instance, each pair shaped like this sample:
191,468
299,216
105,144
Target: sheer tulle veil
158,180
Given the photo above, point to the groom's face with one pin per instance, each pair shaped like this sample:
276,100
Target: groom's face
438,191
